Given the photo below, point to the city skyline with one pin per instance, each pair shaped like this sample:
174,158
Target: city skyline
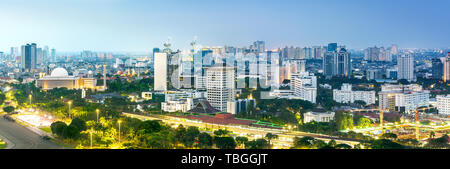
138,26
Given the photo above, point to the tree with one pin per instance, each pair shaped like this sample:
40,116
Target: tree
205,140
180,131
257,144
150,126
385,144
58,128
432,134
8,109
364,122
71,132
270,136
221,132
190,136
79,123
304,142
389,136
441,142
360,102
343,146
241,140
224,142
343,120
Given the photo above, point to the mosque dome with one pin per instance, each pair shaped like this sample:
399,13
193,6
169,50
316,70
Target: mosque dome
59,72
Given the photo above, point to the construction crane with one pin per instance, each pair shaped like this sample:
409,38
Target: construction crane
417,120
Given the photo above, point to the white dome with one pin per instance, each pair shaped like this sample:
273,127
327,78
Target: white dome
59,72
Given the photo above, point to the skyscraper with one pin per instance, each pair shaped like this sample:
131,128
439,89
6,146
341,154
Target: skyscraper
336,62
160,71
220,85
53,55
260,46
437,68
28,58
446,68
405,64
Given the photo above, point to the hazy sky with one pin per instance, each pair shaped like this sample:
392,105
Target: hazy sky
140,25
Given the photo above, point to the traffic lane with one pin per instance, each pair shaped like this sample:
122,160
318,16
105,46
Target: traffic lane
23,138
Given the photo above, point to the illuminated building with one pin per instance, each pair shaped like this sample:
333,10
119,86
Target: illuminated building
59,78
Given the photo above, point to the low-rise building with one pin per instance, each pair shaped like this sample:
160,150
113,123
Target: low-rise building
347,95
318,115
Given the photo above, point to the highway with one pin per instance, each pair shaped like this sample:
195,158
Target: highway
285,139
17,136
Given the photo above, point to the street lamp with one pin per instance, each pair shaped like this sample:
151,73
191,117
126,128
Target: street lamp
91,138
30,96
70,104
98,111
119,131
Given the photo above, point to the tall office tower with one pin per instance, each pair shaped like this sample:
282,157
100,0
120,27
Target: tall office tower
317,52
260,46
332,47
45,54
155,50
405,65
53,55
13,54
336,62
343,66
394,49
104,73
28,58
373,54
446,68
328,64
160,72
220,86
437,68
39,56
388,54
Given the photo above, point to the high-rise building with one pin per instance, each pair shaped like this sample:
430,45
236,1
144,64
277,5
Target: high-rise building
220,85
336,62
53,55
28,58
304,86
437,68
446,72
394,49
160,72
405,65
260,46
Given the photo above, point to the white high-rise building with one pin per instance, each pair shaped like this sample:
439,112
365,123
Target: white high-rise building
304,86
160,71
347,95
220,86
405,64
443,104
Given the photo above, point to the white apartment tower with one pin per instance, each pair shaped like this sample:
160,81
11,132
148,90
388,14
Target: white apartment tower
160,71
405,64
220,86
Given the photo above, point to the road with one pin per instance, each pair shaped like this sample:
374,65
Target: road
19,137
285,139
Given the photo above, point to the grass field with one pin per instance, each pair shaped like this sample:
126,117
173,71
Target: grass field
46,129
2,144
